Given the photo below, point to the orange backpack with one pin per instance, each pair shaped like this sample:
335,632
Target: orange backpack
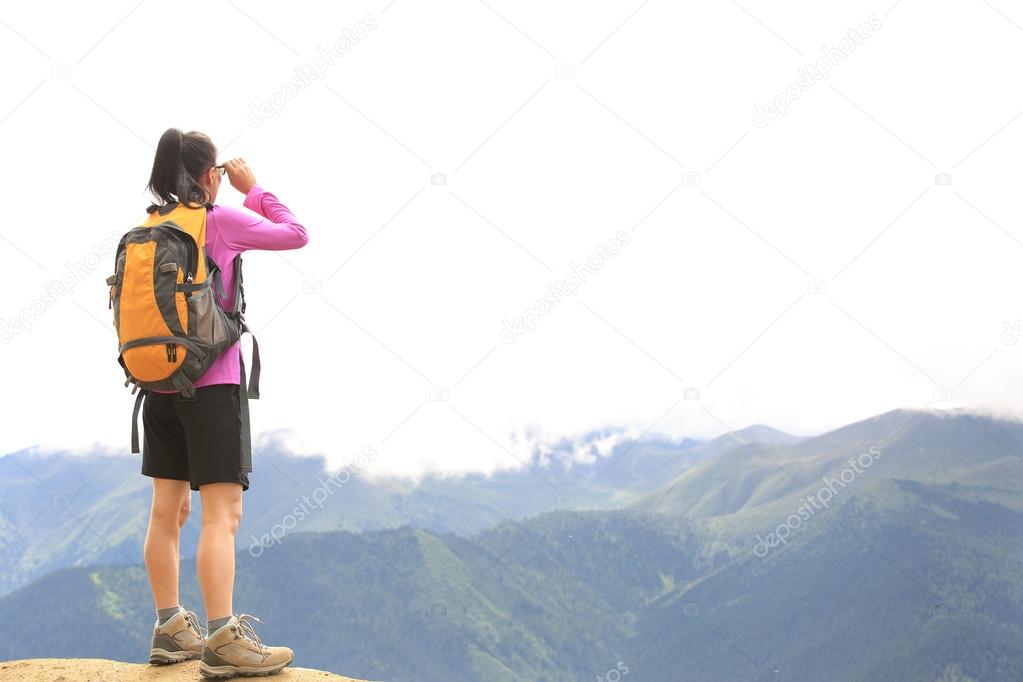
170,329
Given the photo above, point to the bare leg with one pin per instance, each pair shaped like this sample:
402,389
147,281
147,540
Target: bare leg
171,504
221,514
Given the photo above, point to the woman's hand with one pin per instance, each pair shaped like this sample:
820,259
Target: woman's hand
240,175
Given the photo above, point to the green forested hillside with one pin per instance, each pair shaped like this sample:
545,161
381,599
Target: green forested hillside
912,570
396,604
854,591
59,510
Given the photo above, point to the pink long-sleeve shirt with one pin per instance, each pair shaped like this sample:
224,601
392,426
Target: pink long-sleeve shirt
230,231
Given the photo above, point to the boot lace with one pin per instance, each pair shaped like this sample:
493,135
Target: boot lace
244,629
193,620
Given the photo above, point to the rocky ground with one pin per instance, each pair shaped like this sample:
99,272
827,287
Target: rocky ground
102,670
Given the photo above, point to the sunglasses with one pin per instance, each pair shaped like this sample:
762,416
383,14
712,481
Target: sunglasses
222,169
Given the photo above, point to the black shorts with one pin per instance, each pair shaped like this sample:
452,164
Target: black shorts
199,441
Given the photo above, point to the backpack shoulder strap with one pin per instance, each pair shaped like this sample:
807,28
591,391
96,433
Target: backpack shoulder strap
217,276
239,288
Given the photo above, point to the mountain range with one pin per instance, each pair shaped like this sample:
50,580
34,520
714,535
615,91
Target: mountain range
889,549
59,509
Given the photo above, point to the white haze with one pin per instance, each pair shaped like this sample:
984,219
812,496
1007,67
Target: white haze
386,330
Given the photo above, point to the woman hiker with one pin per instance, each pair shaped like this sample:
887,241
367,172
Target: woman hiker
196,444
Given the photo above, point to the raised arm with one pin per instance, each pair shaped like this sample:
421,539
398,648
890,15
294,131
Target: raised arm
273,228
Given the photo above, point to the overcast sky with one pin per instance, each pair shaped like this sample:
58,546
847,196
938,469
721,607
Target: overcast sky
740,214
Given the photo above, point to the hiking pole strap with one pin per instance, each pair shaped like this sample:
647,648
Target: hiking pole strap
135,421
243,404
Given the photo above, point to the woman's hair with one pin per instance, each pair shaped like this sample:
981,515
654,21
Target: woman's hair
181,158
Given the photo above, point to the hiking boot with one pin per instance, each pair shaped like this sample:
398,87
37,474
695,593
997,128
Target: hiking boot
179,639
235,649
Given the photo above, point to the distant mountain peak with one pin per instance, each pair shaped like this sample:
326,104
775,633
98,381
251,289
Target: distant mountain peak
760,433
905,418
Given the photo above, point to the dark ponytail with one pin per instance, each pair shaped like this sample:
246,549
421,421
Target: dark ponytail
181,158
